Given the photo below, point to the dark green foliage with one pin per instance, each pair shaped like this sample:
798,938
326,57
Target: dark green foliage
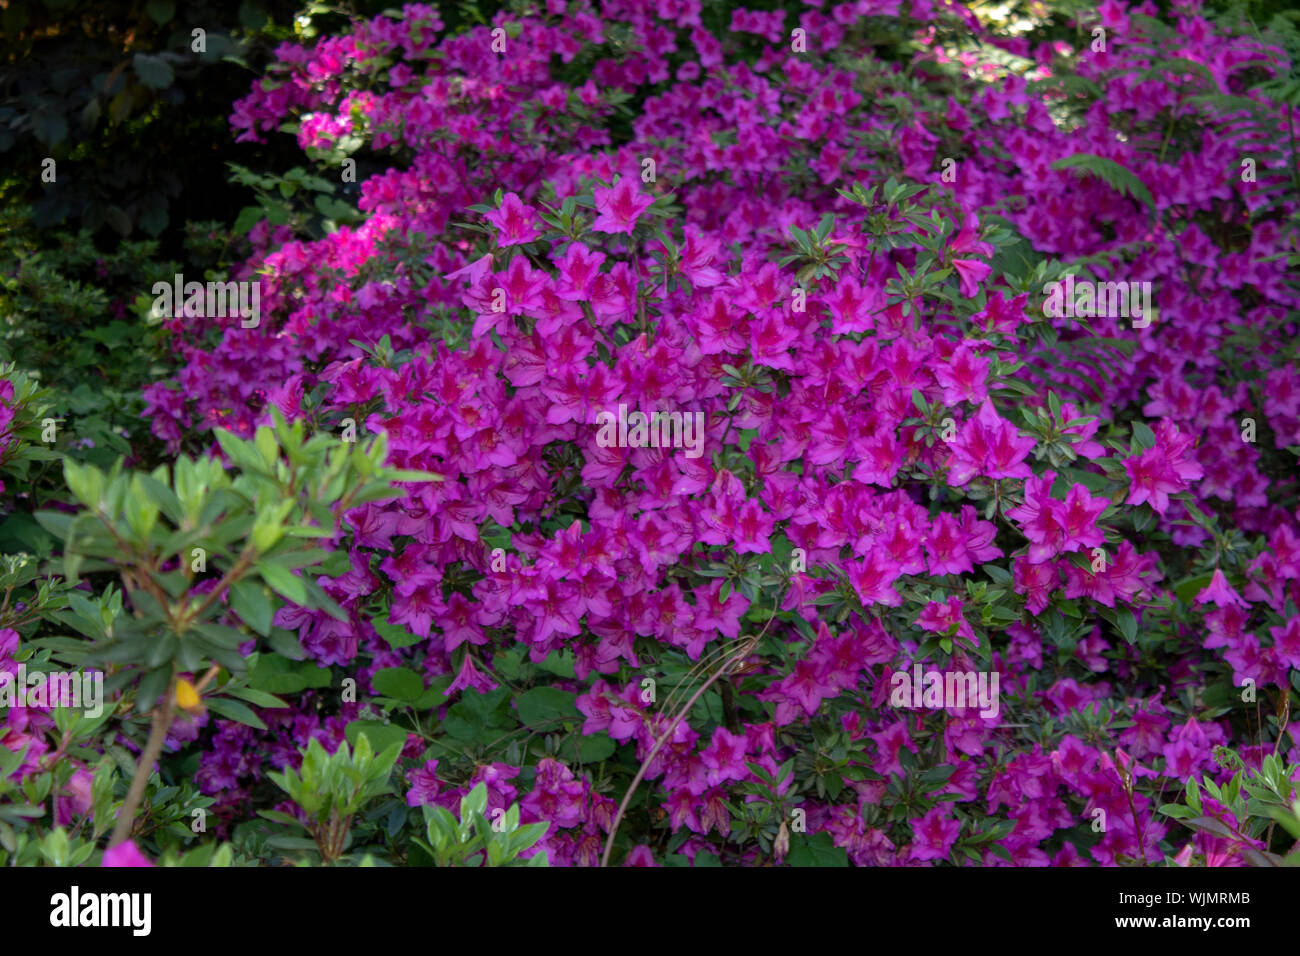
116,95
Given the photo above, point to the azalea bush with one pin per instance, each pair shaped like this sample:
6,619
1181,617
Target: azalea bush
726,416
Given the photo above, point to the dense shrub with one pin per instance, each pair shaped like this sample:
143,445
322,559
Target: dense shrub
837,246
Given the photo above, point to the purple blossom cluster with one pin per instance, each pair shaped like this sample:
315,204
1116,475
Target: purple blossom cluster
675,293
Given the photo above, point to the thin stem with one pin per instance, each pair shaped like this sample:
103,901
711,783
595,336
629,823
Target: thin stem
162,722
663,739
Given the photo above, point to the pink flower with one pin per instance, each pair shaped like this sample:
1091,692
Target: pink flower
1036,582
619,206
76,799
873,579
1165,469
809,684
946,547
125,854
851,306
471,677
963,376
934,834
1077,517
724,758
640,855
971,272
1286,642
989,445
944,618
753,526
425,785
579,268
697,255
999,315
475,270
967,238
1113,15
515,222
1220,592
772,339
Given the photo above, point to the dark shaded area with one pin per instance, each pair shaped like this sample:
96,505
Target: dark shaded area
132,106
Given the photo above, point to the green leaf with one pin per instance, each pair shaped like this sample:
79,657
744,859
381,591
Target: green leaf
1127,624
396,636
248,217
160,11
381,735
593,749
1188,588
401,683
285,582
559,663
252,605
1120,177
278,675
546,705
257,698
154,71
816,849
49,127
234,710
241,452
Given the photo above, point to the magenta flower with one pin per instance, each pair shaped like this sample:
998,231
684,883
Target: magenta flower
425,785
619,206
946,547
471,677
753,526
515,222
601,543
724,758
579,267
989,445
1113,15
967,239
873,579
125,854
963,376
75,800
1220,592
771,342
1165,469
1000,315
697,256
1150,480
809,684
1286,642
640,855
851,306
971,272
947,619
1077,517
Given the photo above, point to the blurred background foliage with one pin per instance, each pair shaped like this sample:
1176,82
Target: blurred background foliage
135,118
